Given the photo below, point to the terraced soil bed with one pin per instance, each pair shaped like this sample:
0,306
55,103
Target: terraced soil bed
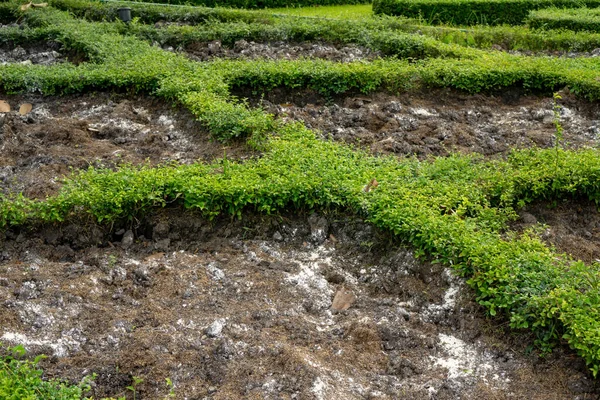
234,309
61,133
440,122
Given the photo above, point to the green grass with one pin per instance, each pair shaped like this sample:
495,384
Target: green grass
362,11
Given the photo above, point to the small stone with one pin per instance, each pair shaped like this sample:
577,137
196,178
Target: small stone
215,329
161,230
343,300
162,245
214,47
405,314
319,228
127,240
215,271
142,276
277,237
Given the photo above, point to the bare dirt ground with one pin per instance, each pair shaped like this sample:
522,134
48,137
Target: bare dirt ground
573,227
38,149
439,122
232,310
279,50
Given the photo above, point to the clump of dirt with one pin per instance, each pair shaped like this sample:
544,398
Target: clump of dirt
279,50
243,309
60,133
573,227
440,122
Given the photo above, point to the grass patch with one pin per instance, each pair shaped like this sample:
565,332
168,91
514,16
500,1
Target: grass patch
361,11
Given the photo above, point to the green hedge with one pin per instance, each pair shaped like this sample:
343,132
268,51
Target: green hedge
254,4
577,19
507,37
152,13
379,34
469,12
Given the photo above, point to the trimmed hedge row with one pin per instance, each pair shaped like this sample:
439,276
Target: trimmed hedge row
379,34
256,4
577,19
152,13
470,12
508,37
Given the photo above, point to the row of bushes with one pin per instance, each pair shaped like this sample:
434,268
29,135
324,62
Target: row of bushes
378,34
508,37
451,209
470,12
576,19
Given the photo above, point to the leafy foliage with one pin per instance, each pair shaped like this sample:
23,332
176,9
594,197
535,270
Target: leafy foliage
468,12
576,19
21,379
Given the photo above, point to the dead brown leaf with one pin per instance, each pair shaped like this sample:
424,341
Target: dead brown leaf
25,108
4,106
343,299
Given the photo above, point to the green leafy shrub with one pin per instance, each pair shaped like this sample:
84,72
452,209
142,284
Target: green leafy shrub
576,19
21,379
469,12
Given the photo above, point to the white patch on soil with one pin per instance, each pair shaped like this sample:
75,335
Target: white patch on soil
436,311
466,362
62,347
310,281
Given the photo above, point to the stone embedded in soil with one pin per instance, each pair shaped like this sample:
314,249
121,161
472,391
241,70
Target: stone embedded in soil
128,239
215,329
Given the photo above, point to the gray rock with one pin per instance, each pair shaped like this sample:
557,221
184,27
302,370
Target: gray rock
214,270
142,276
160,231
215,329
277,237
127,240
319,228
162,245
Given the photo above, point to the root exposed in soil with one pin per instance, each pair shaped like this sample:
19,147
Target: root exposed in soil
231,310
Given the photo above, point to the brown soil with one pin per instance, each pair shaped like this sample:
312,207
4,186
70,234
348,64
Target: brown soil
573,227
439,122
242,310
60,133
